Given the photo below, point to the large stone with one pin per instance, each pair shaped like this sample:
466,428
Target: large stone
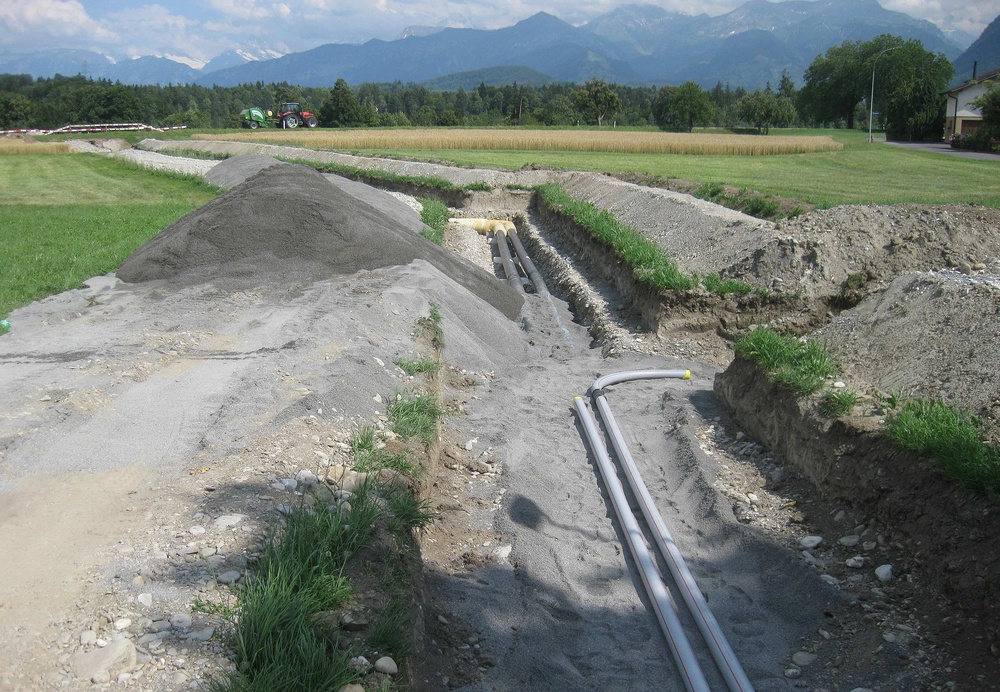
386,665
118,655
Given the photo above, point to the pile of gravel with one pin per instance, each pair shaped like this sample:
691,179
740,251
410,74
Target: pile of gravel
291,219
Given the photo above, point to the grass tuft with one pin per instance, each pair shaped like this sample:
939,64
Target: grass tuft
838,403
414,416
420,366
953,438
716,284
300,572
435,215
432,326
802,367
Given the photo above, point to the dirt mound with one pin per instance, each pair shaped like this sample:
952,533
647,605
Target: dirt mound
704,237
291,218
930,336
860,247
230,172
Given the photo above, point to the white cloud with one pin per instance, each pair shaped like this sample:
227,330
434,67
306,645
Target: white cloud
153,29
971,17
206,29
62,23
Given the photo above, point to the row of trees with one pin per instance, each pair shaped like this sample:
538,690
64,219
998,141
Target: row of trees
908,83
835,93
46,103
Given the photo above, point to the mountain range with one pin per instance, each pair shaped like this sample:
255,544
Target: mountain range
633,44
983,54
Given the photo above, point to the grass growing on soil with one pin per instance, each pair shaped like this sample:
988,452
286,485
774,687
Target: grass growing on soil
418,366
279,642
435,215
801,366
953,438
652,266
370,455
414,416
838,403
431,326
64,219
280,625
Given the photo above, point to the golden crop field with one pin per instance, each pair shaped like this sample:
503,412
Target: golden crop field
14,147
613,141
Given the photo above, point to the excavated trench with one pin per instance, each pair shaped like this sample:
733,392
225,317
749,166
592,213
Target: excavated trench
927,626
942,538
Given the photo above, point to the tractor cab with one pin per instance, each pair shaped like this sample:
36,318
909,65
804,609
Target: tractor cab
290,114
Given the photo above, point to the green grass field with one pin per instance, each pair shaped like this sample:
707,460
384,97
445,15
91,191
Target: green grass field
66,218
862,173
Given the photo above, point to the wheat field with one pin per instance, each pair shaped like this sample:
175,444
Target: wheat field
14,146
611,141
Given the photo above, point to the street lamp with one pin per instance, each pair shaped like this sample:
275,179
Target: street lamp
871,101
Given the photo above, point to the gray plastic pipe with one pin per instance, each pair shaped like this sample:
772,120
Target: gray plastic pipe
723,654
513,278
525,260
680,647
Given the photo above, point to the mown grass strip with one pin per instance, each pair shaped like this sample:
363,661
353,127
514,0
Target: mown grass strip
953,438
800,366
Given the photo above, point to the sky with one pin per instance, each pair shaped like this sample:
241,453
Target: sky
195,31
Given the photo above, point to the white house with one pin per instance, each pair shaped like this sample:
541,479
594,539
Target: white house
962,117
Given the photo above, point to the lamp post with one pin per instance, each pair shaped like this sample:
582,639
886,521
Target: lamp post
871,101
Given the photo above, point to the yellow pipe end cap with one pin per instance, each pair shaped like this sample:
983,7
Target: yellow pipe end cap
687,375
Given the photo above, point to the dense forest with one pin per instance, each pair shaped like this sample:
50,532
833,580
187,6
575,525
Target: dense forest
57,101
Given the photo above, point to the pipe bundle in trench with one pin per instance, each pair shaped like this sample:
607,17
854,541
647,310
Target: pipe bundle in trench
504,232
722,653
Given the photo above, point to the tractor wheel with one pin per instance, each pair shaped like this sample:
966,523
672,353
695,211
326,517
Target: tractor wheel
311,121
291,121
253,124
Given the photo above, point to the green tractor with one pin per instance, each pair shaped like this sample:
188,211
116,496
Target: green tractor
286,115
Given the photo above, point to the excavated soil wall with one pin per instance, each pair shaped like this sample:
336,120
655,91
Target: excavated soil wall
948,532
676,312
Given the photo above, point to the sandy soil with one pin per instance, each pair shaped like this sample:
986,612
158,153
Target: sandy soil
140,419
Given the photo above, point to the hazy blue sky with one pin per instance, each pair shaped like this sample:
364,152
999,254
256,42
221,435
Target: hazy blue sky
201,29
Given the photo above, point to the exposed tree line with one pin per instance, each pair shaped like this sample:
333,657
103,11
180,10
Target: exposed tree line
908,88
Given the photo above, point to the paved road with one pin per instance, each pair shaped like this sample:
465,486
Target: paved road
945,148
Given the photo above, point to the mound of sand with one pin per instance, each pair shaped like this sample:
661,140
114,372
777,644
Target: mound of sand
930,336
291,217
230,172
